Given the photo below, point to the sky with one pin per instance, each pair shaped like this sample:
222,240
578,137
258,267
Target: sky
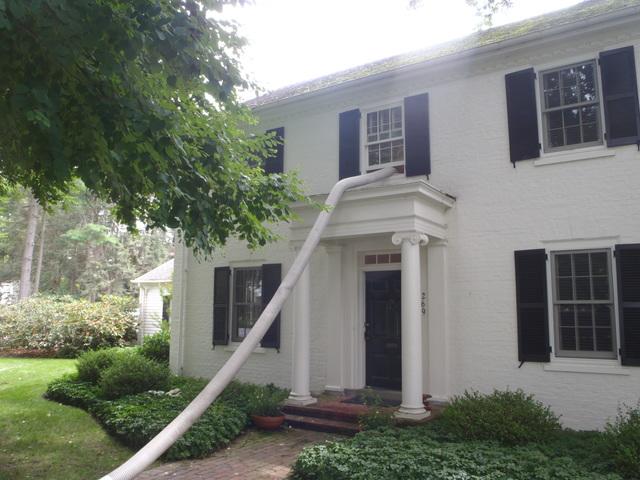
291,41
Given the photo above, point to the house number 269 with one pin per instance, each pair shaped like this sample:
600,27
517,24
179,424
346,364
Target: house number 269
423,303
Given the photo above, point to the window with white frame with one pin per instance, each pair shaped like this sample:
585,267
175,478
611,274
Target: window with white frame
247,301
571,106
384,137
583,304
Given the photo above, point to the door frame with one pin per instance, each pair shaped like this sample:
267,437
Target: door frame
362,305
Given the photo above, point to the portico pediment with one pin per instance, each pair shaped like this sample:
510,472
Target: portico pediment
382,208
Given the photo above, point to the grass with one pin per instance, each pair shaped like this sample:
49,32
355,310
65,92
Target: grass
41,439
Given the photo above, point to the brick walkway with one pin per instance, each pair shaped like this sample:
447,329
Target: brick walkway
253,456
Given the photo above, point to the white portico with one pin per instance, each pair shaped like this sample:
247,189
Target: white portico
380,334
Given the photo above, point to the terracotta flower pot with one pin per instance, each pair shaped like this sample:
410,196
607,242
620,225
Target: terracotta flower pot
267,423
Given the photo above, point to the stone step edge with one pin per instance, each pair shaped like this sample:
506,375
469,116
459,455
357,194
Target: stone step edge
321,424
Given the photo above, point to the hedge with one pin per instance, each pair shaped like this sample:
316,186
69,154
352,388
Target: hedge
67,325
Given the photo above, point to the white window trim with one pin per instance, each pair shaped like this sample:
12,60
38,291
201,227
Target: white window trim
582,354
364,158
541,102
240,266
573,364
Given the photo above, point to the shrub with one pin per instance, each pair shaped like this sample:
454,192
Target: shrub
91,364
622,440
68,390
508,417
132,373
156,346
376,417
67,325
416,453
240,395
138,418
267,401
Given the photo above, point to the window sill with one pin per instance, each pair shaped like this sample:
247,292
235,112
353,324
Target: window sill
234,346
603,367
573,156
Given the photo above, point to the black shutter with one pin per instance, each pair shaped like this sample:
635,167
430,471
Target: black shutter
628,266
620,96
349,144
531,298
416,135
271,275
275,163
522,115
221,279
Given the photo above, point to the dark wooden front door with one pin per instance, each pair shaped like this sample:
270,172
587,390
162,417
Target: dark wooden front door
382,330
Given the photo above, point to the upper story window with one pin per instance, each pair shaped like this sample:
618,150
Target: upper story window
247,301
571,107
384,137
583,304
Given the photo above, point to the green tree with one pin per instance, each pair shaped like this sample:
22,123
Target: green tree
137,98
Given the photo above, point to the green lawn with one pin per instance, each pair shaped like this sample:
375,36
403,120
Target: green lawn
40,439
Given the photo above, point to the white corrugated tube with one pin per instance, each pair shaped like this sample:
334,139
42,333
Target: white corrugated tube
172,432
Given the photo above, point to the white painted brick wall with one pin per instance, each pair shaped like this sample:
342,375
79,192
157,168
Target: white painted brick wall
499,209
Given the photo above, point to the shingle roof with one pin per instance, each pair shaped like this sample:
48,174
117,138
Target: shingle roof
160,274
582,11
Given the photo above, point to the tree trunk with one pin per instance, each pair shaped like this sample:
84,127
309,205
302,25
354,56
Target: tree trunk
36,281
27,255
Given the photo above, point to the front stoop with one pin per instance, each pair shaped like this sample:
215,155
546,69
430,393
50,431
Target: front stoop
337,415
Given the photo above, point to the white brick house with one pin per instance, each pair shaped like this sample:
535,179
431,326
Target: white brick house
520,201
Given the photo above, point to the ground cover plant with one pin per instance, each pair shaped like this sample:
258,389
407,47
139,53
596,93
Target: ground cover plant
508,436
134,398
43,439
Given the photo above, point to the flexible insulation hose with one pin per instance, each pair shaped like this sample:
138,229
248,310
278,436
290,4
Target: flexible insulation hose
172,432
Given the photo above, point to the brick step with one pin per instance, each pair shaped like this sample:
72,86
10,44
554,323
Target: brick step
339,412
321,424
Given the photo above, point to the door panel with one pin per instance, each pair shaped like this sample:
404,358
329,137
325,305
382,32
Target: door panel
382,332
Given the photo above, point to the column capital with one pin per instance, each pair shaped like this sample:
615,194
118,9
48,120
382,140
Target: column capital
415,238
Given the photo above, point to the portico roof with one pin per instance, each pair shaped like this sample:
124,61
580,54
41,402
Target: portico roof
385,208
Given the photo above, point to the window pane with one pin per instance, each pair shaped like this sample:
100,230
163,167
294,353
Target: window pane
570,95
369,259
398,151
603,315
590,133
556,138
600,288
567,338
563,265
565,288
583,288
555,119
567,316
589,114
584,314
599,263
586,83
385,153
551,81
395,258
585,339
573,135
604,340
571,116
396,118
568,77
374,154
581,264
383,258
552,98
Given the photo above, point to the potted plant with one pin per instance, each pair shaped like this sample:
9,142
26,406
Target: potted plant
266,407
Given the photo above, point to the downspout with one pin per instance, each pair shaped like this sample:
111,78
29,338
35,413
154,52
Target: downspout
172,432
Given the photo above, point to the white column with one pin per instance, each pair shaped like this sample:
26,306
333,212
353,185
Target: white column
300,394
412,406
335,320
437,308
